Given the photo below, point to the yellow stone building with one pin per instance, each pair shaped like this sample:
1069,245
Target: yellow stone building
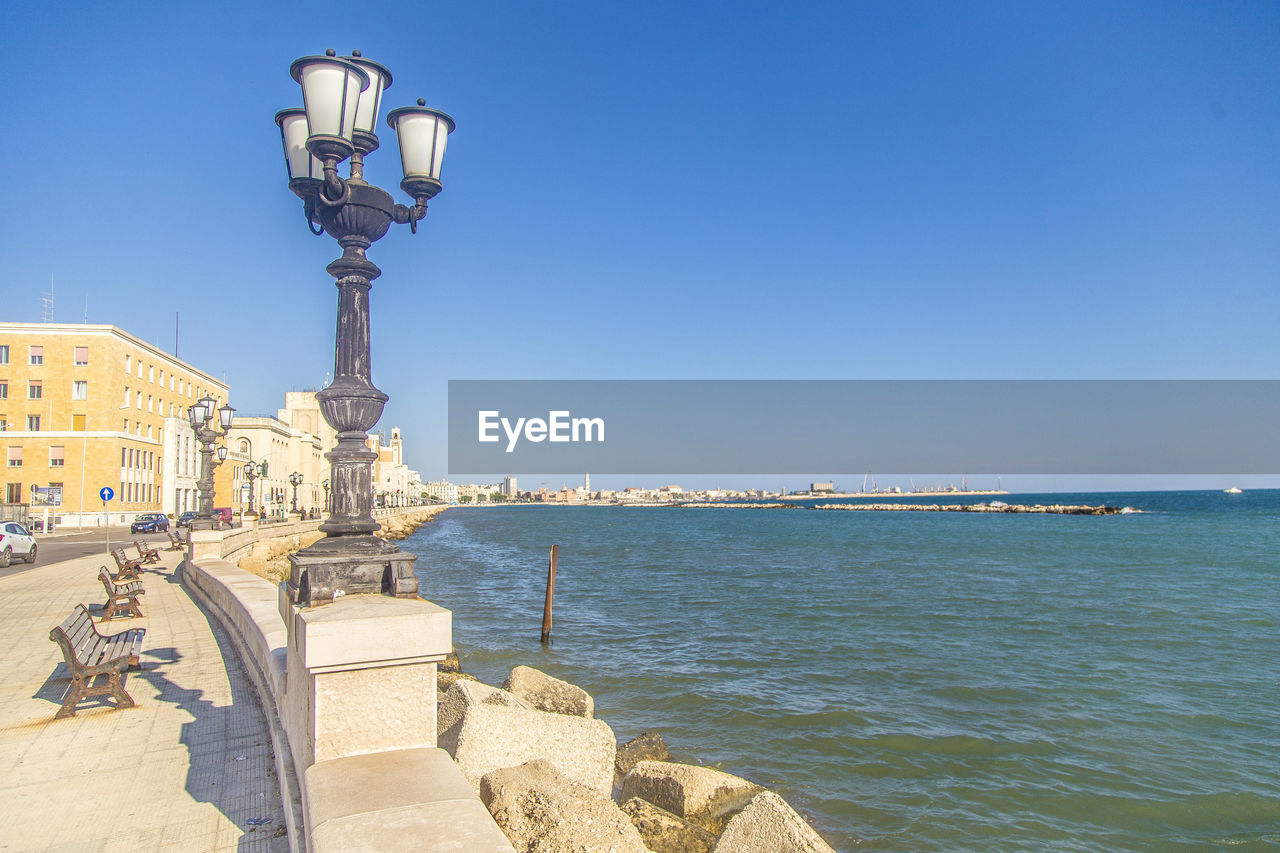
85,406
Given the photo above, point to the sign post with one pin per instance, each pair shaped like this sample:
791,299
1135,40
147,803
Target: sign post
107,494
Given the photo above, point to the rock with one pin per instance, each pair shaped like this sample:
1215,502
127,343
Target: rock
542,811
664,832
549,694
487,729
649,746
699,794
445,680
769,825
450,663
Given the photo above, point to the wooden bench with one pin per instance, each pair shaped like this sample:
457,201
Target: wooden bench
175,542
122,599
127,569
146,553
89,656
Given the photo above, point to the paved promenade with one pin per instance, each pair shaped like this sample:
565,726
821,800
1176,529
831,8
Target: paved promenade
186,770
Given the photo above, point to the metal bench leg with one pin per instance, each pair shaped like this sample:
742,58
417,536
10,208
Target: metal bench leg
123,699
74,695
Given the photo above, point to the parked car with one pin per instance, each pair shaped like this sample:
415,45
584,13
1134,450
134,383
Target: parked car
16,541
185,519
223,514
150,522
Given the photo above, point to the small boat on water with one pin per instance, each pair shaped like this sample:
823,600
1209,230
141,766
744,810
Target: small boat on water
1233,491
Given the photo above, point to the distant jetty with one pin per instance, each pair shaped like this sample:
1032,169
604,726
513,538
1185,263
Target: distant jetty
885,493
994,506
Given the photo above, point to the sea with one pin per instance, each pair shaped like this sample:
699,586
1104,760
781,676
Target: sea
914,681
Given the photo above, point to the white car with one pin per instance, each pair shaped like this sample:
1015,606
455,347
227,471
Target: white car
15,541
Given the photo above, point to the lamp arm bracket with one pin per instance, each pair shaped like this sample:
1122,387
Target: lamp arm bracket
410,215
314,225
333,185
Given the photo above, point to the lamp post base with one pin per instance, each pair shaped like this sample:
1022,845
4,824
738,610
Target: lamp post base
350,565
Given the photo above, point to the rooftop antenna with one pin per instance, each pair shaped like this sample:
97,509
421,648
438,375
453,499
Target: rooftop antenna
46,302
86,309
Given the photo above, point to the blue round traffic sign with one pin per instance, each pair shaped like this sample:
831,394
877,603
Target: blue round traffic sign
106,494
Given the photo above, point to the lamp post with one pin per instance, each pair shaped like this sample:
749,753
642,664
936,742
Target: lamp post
207,432
326,496
252,471
295,480
342,97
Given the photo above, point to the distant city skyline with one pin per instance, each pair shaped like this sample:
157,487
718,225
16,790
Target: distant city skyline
829,190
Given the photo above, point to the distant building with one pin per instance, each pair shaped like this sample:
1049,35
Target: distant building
509,487
84,407
822,487
441,490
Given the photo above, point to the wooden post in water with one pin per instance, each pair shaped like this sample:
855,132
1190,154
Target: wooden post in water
551,594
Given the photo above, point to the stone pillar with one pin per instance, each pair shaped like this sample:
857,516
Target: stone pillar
204,544
362,675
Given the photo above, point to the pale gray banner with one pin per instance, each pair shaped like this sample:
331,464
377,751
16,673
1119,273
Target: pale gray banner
836,426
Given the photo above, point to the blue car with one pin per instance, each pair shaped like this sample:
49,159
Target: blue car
150,522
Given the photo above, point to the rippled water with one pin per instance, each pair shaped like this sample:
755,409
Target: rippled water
917,681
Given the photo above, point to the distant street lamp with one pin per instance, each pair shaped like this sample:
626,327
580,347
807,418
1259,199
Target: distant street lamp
342,97
207,432
252,472
295,480
326,495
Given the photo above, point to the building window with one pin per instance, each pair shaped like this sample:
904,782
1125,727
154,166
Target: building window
4,353
4,423
128,363
15,457
139,393
4,390
125,426
56,456
80,389
162,377
33,423
170,381
35,355
139,368
77,423
13,493
151,373
149,404
81,356
34,391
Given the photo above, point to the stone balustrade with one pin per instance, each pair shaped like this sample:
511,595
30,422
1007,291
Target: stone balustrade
349,690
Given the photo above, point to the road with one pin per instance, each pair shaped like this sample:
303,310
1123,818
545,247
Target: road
59,547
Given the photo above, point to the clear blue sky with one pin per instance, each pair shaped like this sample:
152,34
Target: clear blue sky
705,190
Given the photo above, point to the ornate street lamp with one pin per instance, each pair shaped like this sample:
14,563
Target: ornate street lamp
326,495
201,415
341,98
251,474
295,480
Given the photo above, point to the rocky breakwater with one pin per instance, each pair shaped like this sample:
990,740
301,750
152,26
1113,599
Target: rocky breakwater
994,506
556,781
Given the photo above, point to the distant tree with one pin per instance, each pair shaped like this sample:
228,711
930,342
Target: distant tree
465,499
497,497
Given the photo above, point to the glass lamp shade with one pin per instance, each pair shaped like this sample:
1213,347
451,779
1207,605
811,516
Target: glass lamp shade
210,406
224,416
331,90
222,453
423,134
293,133
196,415
370,98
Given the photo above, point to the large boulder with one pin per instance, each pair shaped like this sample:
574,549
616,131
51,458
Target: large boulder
664,832
445,680
549,694
543,811
647,746
487,729
699,794
769,825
